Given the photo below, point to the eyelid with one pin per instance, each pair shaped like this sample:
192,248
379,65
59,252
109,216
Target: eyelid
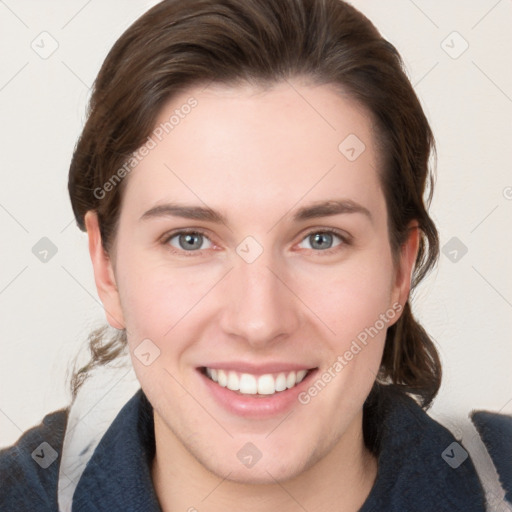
184,231
346,239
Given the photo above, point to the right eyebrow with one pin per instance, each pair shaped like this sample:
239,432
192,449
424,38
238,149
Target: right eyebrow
185,211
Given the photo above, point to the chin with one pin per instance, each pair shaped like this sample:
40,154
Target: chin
266,470
260,475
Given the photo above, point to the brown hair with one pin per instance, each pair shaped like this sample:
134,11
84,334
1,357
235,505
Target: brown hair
178,44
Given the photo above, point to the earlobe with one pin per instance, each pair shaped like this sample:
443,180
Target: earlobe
408,254
104,276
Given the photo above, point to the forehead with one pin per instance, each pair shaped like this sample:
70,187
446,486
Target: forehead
245,145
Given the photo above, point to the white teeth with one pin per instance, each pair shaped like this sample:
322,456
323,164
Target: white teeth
281,382
290,380
301,374
266,385
232,381
249,384
222,378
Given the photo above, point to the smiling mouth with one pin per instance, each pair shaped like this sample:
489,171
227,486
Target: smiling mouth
256,385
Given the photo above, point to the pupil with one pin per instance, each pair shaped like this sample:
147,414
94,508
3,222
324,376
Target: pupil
190,241
321,238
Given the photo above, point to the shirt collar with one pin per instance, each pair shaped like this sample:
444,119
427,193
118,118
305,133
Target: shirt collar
412,473
118,475
413,470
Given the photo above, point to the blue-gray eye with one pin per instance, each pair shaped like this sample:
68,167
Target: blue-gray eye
322,240
189,241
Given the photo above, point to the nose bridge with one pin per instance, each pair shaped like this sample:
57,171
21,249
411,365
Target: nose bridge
258,306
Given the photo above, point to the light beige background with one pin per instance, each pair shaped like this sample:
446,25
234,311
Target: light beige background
47,309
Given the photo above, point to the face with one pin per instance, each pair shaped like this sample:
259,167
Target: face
253,241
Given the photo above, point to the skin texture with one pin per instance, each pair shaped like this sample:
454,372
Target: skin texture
256,156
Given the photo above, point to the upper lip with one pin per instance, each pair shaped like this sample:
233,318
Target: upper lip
258,369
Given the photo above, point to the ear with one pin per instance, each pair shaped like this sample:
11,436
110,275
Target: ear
103,273
407,259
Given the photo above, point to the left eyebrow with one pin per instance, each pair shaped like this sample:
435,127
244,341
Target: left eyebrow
332,207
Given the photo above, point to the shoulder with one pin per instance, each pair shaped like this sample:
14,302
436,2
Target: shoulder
29,468
421,466
495,432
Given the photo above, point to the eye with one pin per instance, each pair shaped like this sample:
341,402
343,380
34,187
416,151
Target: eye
323,240
190,241
193,241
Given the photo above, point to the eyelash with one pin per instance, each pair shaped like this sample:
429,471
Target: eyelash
345,240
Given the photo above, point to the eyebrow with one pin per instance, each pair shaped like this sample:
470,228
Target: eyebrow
333,207
315,210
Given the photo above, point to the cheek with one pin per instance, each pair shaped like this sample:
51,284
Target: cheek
352,296
157,307
158,300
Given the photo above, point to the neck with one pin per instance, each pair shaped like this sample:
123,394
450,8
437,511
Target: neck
341,480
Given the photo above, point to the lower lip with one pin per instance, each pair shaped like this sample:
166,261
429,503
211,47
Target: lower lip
256,406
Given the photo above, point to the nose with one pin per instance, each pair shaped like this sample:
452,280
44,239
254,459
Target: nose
258,303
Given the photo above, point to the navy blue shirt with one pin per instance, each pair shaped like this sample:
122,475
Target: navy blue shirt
421,467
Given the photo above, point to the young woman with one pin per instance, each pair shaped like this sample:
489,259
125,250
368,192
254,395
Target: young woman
252,178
